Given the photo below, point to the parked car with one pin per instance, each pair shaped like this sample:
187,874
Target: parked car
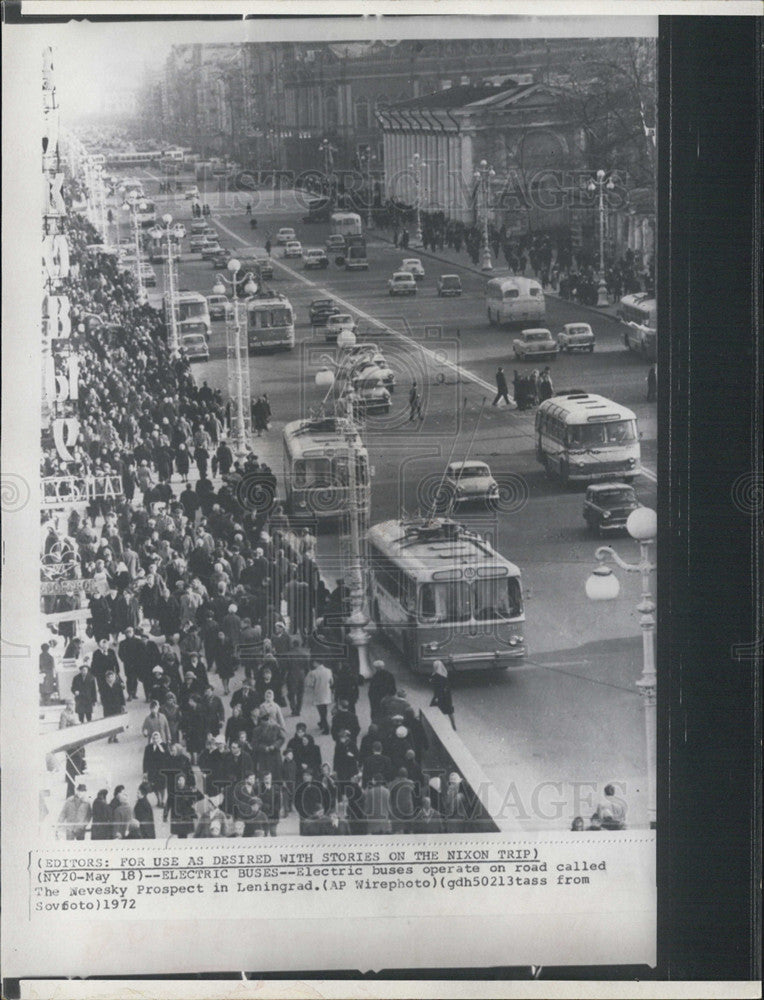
198,240
339,321
535,343
607,506
449,284
335,244
414,266
293,249
285,235
320,310
191,192
470,482
576,337
219,305
314,259
221,257
195,346
401,283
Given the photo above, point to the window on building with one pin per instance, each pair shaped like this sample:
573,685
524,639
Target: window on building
362,113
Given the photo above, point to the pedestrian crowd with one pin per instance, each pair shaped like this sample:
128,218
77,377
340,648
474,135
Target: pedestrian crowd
195,580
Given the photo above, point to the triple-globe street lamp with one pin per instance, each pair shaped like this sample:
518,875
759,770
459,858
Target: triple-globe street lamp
358,620
603,585
133,203
601,184
484,175
237,353
167,231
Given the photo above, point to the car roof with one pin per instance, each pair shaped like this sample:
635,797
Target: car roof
340,316
568,325
450,276
535,329
411,260
469,464
402,274
328,302
601,487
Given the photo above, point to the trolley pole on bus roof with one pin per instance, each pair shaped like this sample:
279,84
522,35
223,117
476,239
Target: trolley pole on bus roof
237,350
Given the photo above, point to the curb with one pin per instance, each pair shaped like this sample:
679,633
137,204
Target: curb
483,274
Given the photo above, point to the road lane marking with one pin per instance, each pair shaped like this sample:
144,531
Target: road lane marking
455,368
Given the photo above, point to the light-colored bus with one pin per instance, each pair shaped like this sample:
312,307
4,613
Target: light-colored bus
270,323
317,472
639,313
442,592
192,312
514,300
585,438
346,224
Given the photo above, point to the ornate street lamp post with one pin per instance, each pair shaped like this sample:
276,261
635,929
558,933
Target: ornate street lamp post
170,303
238,356
359,619
133,204
484,175
418,166
603,585
599,185
367,159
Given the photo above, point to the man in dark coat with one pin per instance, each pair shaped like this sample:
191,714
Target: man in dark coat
104,660
131,655
112,698
144,813
85,693
502,389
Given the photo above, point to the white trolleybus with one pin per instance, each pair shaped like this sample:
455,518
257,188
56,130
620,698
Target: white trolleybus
585,438
270,323
639,314
514,300
317,472
441,592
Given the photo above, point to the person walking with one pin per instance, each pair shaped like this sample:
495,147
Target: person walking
415,403
545,386
85,693
318,687
268,245
652,384
502,389
442,691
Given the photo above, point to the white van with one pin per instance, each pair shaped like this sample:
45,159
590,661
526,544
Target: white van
514,300
346,224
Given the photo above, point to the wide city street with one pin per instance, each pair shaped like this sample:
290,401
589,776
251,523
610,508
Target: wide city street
569,718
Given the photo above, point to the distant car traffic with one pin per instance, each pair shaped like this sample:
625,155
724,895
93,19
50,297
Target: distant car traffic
449,284
293,249
535,343
607,506
414,266
320,310
197,242
471,482
336,323
314,259
402,283
285,235
367,395
199,226
219,305
576,337
335,244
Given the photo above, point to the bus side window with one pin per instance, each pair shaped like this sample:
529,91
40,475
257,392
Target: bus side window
408,595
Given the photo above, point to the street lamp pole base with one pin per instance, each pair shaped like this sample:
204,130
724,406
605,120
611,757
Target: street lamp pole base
486,264
602,298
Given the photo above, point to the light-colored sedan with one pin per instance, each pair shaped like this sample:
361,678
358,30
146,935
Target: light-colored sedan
535,343
338,322
195,346
191,193
414,266
219,306
285,235
471,482
314,258
293,249
367,395
401,283
576,337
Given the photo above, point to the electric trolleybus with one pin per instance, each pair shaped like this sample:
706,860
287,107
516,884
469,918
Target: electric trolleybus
270,323
442,592
317,471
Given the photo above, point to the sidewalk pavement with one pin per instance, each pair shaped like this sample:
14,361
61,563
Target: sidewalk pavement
451,257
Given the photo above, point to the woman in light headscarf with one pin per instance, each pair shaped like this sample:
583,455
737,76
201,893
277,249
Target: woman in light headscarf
442,691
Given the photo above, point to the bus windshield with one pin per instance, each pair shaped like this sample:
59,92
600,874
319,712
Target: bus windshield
610,433
187,310
313,472
457,601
